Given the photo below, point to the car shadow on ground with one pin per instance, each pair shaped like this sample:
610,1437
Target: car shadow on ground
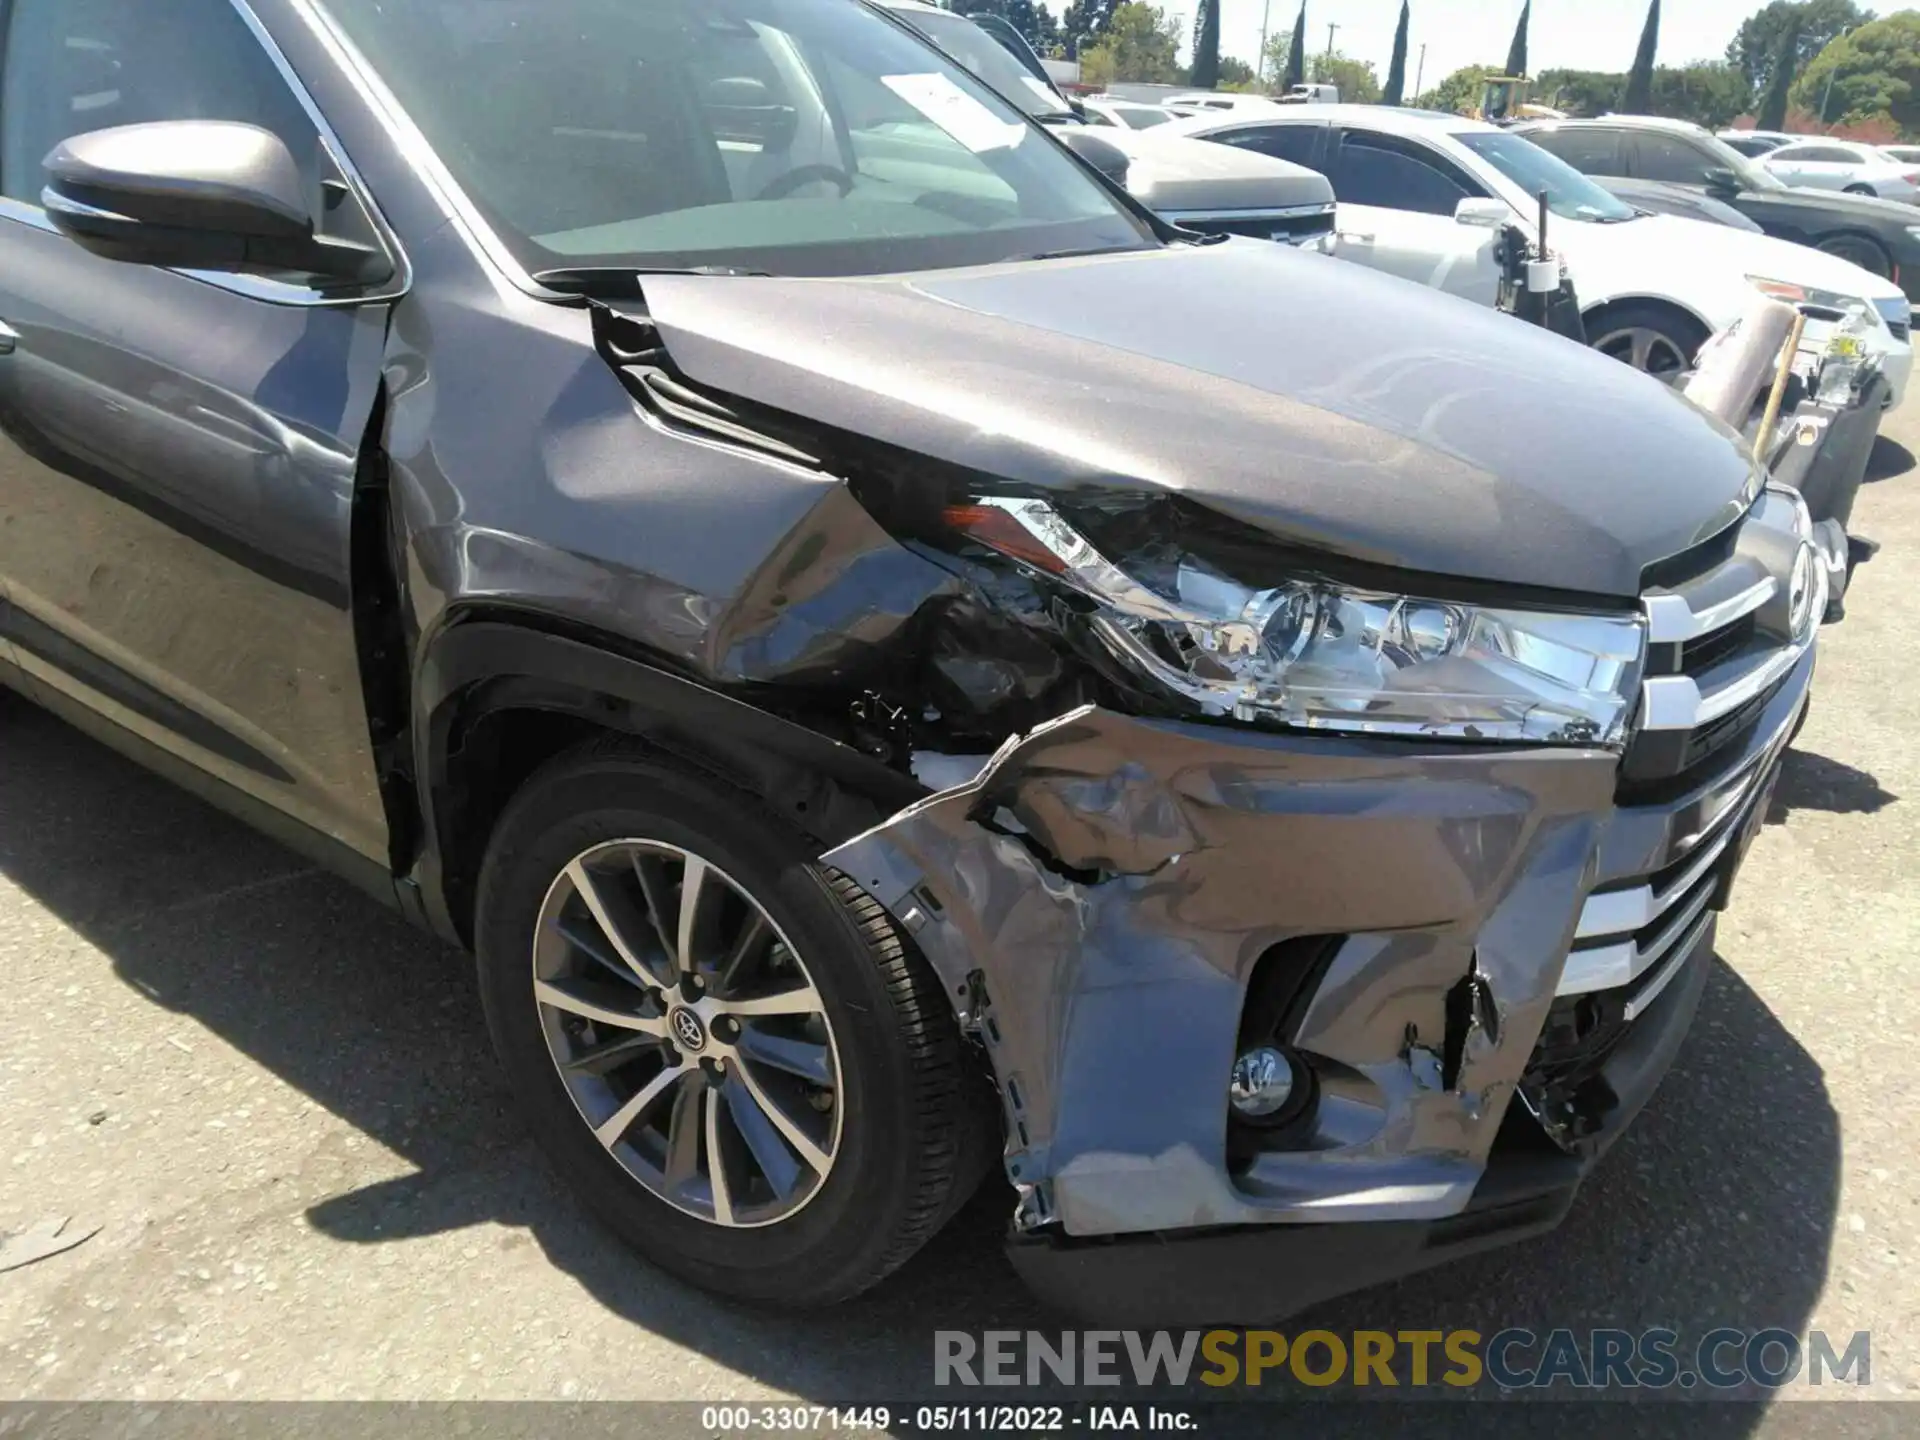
1888,460
1717,1209
1813,782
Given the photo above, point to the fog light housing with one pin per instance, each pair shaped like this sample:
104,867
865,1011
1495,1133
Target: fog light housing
1263,1085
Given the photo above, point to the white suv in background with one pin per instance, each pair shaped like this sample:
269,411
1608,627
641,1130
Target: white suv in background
1652,287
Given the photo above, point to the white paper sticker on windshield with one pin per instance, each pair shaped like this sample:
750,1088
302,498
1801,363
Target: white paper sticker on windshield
955,111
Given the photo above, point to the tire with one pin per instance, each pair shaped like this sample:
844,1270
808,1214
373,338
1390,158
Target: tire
1655,339
1862,190
1858,250
911,1126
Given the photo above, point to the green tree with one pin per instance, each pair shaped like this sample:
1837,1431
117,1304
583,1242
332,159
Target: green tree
1706,93
1639,96
1585,93
1083,23
1713,95
1206,45
1358,82
1296,71
1140,44
1813,24
1032,19
1236,74
1459,92
1874,71
1395,92
1517,52
1773,110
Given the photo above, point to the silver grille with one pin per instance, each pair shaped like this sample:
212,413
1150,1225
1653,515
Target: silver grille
1721,643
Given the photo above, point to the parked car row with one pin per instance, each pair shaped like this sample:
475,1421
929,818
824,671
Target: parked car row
897,661
1653,287
1878,235
1652,290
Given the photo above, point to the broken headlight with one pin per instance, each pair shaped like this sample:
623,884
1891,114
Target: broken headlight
1312,653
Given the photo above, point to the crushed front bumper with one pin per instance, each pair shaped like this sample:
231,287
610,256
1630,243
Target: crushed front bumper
1251,1275
1100,898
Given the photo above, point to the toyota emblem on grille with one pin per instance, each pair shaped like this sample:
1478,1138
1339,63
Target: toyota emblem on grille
688,1030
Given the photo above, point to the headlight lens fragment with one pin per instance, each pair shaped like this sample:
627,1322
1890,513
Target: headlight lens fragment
1310,653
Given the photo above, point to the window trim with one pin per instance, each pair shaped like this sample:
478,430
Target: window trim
1408,148
260,287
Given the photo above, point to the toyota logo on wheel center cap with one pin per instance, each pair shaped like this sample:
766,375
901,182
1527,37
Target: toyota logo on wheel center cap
688,1030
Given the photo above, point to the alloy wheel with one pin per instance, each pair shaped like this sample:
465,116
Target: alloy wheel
1645,349
688,1032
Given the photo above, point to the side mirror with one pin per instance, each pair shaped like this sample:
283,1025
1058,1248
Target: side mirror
1488,213
1722,181
1105,156
195,195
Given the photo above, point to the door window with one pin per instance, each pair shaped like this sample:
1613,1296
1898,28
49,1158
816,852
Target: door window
1815,155
1670,158
1371,170
78,65
1297,143
1591,152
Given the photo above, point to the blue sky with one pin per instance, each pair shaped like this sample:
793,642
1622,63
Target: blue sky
1578,34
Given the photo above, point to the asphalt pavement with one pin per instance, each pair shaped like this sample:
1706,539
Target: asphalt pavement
276,1105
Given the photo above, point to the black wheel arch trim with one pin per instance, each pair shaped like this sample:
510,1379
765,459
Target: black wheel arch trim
483,665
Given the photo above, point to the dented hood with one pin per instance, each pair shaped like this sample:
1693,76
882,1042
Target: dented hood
1329,406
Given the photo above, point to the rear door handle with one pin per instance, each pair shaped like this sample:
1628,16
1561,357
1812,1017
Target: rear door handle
9,338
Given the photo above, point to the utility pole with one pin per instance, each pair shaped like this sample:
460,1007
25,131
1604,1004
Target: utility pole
1420,72
1330,29
1260,68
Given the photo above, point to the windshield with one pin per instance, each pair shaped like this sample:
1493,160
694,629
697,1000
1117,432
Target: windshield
987,58
792,137
1143,117
1570,195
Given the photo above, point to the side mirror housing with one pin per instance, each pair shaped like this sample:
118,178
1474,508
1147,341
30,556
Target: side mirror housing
1722,181
1490,214
1105,156
195,195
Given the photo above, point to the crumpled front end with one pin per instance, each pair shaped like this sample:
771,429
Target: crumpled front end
1107,893
1120,906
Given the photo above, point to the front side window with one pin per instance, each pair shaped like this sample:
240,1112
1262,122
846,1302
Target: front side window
1669,158
1570,195
1591,152
74,66
800,137
1378,172
1816,155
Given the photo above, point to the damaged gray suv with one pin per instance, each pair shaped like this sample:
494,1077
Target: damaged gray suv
892,658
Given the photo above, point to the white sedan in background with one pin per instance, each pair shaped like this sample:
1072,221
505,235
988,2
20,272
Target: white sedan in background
1844,165
1414,190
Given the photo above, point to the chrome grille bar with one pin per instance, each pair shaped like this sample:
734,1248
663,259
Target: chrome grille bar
1608,967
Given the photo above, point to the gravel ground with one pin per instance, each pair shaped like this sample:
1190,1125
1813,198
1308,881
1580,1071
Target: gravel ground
276,1103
